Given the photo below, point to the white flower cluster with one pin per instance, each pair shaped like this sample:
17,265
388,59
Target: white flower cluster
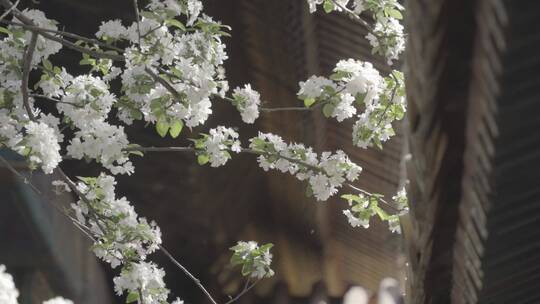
187,61
324,175
85,101
355,84
247,101
215,146
9,293
37,140
121,236
41,146
374,125
58,300
12,48
363,207
44,47
387,36
40,142
255,259
143,277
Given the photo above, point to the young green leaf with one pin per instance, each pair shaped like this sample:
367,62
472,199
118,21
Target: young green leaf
328,6
162,127
176,128
132,297
308,102
202,159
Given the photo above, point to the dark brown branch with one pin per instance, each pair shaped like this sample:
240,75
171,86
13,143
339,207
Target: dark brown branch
163,82
244,291
191,276
25,20
9,10
64,34
27,65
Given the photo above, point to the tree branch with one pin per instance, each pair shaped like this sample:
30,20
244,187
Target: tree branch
191,276
62,33
27,65
14,6
353,15
244,291
27,21
163,82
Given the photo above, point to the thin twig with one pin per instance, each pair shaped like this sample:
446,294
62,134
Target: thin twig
285,109
244,291
353,15
388,105
64,34
27,65
137,18
191,276
56,100
9,10
162,149
25,20
372,195
163,82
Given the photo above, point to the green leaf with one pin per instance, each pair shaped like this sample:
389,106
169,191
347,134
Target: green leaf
132,297
162,127
350,197
176,128
47,64
150,15
309,191
5,30
395,13
308,102
246,269
327,110
236,260
175,23
202,159
328,6
265,247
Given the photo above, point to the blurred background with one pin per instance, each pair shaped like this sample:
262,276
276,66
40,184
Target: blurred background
473,233
203,211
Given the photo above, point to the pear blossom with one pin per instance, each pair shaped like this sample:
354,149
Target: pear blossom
116,218
8,291
255,259
325,174
41,146
214,147
144,278
58,300
247,102
112,29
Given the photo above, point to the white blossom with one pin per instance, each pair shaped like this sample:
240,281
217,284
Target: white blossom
105,143
8,291
356,221
58,300
144,278
214,147
116,219
112,29
314,86
325,174
255,259
247,101
41,146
